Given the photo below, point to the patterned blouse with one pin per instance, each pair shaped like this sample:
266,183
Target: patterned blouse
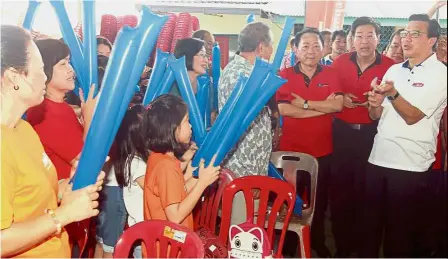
252,153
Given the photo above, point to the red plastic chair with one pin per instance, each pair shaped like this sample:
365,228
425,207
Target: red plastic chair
265,219
151,233
207,209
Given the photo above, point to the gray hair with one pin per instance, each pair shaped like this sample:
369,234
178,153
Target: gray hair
252,35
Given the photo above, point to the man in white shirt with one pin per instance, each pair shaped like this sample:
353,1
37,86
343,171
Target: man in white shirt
409,104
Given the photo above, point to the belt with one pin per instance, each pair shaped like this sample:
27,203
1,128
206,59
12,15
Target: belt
354,126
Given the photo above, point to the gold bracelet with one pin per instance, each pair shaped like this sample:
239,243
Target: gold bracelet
55,220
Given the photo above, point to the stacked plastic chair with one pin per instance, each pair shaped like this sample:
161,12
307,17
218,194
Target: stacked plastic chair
195,23
109,27
183,29
130,20
165,37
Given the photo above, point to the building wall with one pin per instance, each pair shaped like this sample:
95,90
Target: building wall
228,24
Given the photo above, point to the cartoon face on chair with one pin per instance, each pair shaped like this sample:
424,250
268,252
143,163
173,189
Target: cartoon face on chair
248,244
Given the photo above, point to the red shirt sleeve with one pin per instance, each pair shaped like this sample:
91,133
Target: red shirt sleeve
335,86
284,93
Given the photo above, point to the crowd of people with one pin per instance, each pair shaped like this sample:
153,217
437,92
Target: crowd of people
376,123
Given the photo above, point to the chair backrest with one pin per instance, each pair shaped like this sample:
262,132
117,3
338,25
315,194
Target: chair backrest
284,193
162,239
290,163
206,211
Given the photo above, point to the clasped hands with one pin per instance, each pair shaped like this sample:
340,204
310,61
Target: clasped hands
378,93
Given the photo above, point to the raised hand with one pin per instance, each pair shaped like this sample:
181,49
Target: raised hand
209,174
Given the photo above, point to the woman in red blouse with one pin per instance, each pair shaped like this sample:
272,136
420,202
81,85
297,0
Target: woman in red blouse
57,125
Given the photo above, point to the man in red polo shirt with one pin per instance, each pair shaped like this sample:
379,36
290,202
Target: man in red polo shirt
307,101
354,131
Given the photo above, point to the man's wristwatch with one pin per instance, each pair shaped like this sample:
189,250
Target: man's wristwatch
393,98
306,106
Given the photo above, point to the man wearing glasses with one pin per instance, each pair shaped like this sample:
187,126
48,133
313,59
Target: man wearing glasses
409,104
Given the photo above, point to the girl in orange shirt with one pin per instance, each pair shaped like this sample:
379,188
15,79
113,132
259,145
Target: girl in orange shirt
169,194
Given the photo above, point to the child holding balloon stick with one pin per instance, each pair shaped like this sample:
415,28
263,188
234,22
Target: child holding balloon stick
168,193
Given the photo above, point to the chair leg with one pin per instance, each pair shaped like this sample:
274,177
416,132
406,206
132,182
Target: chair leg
304,242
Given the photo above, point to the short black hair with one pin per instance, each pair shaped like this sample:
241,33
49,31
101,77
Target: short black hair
160,122
307,30
200,34
102,40
340,33
14,48
433,25
188,47
364,20
52,52
291,42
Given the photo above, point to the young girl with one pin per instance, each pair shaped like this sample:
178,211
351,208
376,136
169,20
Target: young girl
168,194
129,165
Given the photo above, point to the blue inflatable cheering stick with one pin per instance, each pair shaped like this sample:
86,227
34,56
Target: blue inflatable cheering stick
149,29
116,78
273,172
89,48
76,54
283,43
220,124
203,98
250,18
157,74
216,72
30,14
180,72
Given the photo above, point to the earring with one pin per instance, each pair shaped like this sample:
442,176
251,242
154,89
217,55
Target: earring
16,87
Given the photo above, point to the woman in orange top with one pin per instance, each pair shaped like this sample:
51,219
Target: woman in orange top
168,193
32,222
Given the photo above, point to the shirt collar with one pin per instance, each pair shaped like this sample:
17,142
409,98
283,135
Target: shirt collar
298,71
243,61
430,59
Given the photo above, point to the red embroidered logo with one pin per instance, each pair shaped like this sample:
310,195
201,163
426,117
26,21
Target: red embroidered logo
418,84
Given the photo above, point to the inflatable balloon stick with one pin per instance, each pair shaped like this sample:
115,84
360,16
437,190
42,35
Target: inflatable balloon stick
273,172
118,71
166,83
76,53
283,43
148,28
89,47
216,72
30,14
180,72
203,98
156,76
266,91
250,18
250,94
220,123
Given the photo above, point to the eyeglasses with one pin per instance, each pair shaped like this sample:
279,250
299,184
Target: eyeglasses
414,34
202,55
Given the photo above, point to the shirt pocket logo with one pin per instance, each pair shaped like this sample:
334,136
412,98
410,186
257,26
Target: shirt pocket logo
418,84
322,85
